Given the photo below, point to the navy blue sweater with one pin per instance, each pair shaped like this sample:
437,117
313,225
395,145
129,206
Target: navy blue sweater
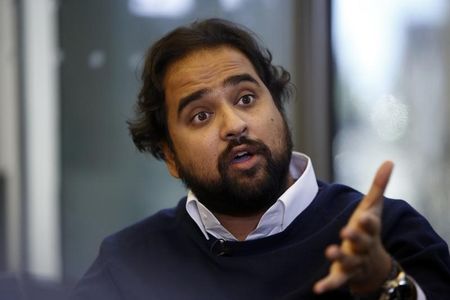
166,256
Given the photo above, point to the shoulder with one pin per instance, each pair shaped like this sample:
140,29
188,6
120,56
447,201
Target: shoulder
159,226
339,201
129,255
333,198
339,195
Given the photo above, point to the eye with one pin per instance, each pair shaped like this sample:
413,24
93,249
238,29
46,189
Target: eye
246,100
201,117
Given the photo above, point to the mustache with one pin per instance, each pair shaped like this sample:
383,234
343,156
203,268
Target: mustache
255,147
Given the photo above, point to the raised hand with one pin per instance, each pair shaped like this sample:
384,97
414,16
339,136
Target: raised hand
361,260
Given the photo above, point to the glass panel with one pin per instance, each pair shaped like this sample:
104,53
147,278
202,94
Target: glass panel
106,184
391,89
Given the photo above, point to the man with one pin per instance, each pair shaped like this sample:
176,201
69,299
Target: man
256,224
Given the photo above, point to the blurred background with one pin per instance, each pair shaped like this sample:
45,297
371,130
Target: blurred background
372,83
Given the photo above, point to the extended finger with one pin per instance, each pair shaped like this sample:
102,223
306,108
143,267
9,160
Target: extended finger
333,280
373,200
379,184
333,252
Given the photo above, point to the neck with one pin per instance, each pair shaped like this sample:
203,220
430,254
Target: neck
241,226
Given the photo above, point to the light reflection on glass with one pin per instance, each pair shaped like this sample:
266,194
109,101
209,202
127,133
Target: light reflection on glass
229,5
96,59
158,8
389,118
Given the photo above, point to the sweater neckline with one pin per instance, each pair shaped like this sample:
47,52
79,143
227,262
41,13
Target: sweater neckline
300,226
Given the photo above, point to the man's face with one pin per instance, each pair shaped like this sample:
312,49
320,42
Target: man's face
230,143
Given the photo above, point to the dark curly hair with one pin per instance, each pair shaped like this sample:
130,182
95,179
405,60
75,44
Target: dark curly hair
149,129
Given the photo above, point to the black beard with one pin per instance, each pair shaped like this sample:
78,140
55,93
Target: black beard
228,195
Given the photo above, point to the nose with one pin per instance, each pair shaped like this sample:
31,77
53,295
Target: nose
233,125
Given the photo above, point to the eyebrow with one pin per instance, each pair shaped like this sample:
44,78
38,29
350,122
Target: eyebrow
230,81
236,79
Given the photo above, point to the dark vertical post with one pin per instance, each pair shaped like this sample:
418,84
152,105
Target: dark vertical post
313,108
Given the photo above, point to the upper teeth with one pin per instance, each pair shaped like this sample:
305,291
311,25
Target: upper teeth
241,154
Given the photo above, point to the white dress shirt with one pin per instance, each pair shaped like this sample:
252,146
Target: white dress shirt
290,204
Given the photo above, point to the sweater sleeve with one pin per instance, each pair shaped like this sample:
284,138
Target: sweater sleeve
411,240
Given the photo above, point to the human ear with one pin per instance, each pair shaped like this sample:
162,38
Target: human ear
169,159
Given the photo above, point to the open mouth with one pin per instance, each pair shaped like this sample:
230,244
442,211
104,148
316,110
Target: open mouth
242,156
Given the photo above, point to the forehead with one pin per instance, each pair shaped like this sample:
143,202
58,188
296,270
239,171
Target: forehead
205,68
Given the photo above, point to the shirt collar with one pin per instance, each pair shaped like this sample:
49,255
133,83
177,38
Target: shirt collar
279,216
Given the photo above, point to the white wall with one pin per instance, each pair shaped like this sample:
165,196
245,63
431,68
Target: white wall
41,81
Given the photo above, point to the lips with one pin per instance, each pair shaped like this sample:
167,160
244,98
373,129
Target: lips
241,153
242,156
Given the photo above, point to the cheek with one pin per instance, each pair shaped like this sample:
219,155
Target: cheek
276,131
199,151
